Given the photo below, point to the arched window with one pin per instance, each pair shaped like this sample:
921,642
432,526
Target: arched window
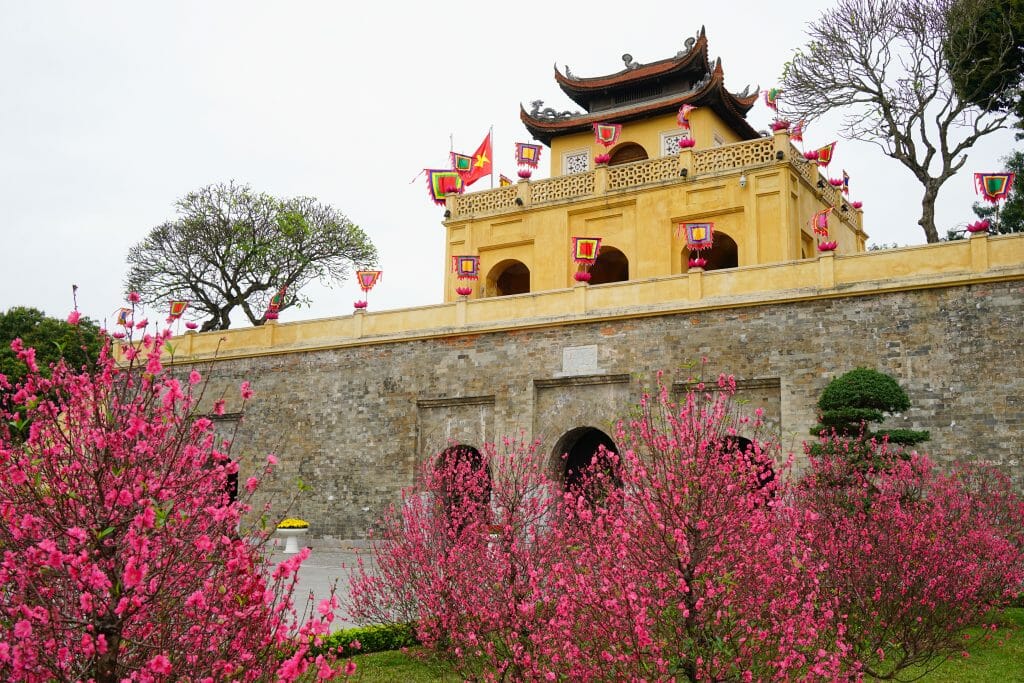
578,448
626,153
611,266
508,277
723,254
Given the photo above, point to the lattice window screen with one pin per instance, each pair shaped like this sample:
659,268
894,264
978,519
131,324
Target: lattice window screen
576,162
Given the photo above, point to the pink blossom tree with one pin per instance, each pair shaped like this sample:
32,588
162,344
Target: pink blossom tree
124,557
913,555
464,558
687,571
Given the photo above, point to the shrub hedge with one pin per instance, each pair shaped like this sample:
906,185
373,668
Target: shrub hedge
378,638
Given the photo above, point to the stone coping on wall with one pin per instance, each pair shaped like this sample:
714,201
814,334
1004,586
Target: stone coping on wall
975,260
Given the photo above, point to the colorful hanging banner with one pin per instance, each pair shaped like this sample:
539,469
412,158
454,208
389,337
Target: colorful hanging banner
527,154
825,154
607,133
504,181
466,267
682,118
771,98
796,133
124,317
846,182
461,162
276,302
177,310
480,163
993,187
819,223
443,182
368,278
698,235
585,249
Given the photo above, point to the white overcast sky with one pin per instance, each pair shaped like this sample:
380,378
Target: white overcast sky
110,111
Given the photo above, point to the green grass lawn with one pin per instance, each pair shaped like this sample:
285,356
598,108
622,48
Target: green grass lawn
989,662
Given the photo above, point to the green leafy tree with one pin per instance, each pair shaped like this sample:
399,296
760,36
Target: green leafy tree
984,51
52,338
853,400
882,64
231,247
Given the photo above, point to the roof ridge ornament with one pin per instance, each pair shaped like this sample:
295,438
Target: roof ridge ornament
687,47
627,59
548,112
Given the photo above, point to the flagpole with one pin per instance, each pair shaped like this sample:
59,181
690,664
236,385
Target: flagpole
490,134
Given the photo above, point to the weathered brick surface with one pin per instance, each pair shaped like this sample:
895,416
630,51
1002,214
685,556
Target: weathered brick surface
352,423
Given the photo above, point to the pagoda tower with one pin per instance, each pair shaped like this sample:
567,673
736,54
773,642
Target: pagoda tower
658,175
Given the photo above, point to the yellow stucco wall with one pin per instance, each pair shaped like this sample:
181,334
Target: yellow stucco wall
763,203
705,124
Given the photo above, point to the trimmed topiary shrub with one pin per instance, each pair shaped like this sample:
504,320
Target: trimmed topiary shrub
859,397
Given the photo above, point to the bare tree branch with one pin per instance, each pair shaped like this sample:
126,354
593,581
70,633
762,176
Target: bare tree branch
883,64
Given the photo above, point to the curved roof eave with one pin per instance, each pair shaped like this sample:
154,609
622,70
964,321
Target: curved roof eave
729,107
579,90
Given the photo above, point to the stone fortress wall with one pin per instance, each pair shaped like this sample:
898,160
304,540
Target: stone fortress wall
351,407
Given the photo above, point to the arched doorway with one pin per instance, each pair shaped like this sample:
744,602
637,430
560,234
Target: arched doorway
762,462
576,450
508,277
723,254
626,153
463,483
611,266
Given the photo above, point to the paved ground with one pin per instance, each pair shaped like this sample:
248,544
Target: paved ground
326,564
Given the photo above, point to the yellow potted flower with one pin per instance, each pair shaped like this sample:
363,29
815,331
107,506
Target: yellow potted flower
290,529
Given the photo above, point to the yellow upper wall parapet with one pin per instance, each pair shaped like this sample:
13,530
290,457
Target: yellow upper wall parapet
829,275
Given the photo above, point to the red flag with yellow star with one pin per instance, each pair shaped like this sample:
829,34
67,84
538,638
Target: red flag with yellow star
481,163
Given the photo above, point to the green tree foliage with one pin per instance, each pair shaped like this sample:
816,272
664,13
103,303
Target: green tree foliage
882,64
52,339
985,54
231,247
859,397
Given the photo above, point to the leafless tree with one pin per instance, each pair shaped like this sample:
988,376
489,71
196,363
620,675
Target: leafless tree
232,247
883,64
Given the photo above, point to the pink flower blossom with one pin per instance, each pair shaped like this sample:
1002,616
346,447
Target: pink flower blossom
271,459
73,317
160,665
218,407
142,324
194,377
251,484
23,629
246,391
350,668
134,297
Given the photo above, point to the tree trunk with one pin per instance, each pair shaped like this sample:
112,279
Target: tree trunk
927,220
